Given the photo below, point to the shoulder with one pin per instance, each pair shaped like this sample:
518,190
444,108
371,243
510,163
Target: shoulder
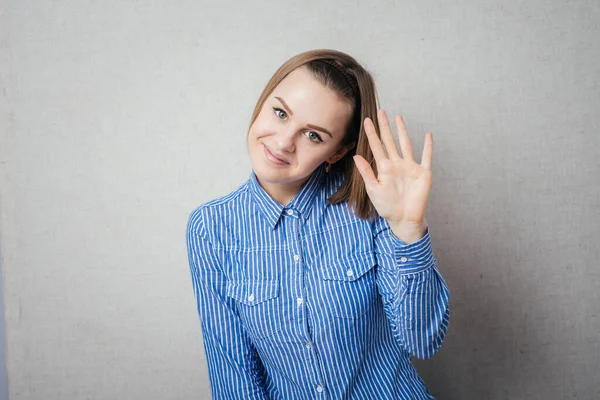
210,217
333,181
341,214
336,215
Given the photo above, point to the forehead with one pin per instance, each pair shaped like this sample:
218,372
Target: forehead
311,102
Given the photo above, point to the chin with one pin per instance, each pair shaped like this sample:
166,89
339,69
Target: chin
269,174
265,171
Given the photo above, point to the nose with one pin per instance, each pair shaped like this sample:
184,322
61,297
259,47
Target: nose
286,140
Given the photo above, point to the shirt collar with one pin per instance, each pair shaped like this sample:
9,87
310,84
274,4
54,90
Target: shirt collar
302,202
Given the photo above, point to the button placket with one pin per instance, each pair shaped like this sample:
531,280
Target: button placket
300,301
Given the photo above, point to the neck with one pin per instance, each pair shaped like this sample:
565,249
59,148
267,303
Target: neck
282,193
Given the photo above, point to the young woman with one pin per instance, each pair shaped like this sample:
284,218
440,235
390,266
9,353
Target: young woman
316,279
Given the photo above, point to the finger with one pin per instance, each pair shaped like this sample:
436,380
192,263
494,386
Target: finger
427,151
365,171
404,140
374,142
387,136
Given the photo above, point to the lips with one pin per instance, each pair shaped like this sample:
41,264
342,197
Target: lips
274,157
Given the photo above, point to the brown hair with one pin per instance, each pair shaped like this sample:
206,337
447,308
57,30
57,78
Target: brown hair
356,85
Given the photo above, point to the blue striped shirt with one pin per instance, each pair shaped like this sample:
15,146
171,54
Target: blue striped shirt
307,301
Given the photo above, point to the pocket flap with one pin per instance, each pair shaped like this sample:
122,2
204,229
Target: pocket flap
252,292
350,268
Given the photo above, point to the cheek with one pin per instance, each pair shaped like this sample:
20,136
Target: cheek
260,128
314,154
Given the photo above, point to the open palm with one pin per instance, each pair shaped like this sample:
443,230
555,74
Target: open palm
400,191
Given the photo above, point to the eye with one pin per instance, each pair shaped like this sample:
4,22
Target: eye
314,137
278,110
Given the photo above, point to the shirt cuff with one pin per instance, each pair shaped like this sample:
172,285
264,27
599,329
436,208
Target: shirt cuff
414,257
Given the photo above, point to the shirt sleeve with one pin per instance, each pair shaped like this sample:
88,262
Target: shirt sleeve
235,370
414,294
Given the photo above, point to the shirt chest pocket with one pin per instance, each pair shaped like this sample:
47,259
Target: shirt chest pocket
349,285
258,303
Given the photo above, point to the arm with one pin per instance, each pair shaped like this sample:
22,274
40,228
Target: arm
414,293
235,370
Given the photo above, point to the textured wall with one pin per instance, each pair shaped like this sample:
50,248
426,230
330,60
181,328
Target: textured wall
121,117
4,156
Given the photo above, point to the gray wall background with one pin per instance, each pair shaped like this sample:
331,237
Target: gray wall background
119,117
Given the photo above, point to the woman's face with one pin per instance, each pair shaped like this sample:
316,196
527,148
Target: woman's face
300,125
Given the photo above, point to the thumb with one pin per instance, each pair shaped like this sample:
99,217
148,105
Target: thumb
365,170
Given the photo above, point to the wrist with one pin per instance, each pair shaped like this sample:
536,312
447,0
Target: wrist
408,232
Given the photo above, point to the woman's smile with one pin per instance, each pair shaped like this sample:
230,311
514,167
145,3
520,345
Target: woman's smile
273,158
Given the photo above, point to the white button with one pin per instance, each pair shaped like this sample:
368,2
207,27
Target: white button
251,297
350,272
296,257
299,300
404,259
308,345
319,388
289,212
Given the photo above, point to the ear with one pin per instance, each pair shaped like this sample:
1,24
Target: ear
341,152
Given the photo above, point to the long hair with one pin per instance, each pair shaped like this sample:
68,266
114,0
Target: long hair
355,84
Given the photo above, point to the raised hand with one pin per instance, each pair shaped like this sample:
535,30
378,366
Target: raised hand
400,191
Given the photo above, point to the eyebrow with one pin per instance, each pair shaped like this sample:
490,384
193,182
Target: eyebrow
289,110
